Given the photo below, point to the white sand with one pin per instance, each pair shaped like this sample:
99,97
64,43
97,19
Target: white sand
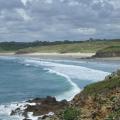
7,54
59,55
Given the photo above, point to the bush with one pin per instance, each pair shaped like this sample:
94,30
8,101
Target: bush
71,113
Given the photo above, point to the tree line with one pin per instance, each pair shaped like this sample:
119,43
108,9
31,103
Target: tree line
20,45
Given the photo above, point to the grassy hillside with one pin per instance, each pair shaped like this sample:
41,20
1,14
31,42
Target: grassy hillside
88,46
111,49
111,82
58,46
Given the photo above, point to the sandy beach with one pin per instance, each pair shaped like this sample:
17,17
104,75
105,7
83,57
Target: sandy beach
7,54
59,55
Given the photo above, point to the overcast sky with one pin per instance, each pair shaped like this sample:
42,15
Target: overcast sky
29,20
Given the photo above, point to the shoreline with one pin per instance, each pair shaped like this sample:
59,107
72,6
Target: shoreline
108,58
7,54
58,55
84,56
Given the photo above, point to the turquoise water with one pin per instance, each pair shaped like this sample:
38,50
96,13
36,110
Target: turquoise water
26,78
21,82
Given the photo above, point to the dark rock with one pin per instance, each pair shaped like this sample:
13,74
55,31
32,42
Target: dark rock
12,112
27,119
100,54
22,52
43,106
16,111
44,117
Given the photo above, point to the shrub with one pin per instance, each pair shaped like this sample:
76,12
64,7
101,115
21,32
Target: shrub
71,113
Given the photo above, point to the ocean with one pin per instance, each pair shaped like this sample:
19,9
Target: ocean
24,78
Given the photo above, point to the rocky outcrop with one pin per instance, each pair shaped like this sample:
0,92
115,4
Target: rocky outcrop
41,107
100,54
45,105
111,51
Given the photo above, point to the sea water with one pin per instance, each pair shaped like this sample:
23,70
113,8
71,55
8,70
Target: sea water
23,78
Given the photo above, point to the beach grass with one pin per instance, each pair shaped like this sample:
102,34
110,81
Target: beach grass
83,47
111,49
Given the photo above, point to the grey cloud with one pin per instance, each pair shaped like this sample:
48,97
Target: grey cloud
10,4
59,19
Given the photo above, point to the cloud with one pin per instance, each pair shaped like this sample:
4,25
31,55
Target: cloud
86,31
28,20
23,14
10,4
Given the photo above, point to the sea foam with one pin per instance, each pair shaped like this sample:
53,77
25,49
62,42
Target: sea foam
6,109
67,94
73,71
69,72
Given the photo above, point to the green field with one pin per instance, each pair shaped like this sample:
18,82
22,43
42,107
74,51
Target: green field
59,46
85,47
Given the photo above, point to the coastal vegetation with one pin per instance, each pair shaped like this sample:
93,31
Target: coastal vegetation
71,113
83,47
112,81
57,46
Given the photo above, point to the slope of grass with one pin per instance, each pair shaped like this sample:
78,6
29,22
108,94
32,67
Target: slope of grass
110,83
111,49
86,47
4,51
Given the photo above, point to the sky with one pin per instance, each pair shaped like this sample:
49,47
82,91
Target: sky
51,20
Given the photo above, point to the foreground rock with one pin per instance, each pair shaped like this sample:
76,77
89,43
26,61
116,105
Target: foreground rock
41,107
45,105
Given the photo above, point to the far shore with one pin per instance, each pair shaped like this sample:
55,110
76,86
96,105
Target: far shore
60,56
7,54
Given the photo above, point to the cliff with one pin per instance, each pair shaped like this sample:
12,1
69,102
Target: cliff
112,51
